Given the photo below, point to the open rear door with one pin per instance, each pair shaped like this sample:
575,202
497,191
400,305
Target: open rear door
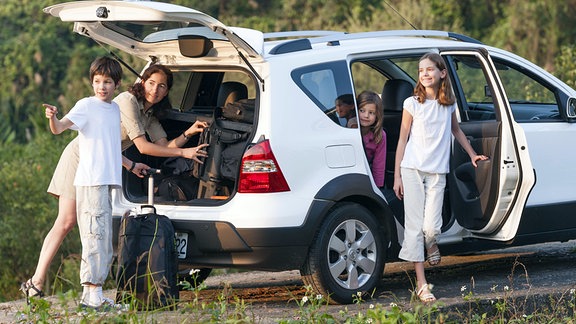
488,200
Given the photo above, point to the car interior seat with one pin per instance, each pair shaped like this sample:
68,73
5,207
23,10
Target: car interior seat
394,93
231,91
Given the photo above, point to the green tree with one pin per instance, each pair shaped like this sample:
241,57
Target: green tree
42,61
324,14
566,65
27,78
535,29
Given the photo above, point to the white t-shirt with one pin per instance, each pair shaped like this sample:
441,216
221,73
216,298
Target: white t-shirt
98,125
428,147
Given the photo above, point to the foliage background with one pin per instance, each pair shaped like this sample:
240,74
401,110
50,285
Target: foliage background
43,61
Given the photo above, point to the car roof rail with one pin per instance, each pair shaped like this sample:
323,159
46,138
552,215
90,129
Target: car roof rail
396,33
301,34
333,38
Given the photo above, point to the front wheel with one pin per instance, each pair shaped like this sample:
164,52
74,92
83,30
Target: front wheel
347,255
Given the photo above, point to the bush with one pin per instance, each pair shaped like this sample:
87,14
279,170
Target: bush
28,212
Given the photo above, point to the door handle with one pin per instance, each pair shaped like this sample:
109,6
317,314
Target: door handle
508,161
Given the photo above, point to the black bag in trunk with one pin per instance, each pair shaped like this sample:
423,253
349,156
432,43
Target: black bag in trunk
219,166
241,110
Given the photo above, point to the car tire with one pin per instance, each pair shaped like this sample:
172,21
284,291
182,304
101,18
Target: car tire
346,259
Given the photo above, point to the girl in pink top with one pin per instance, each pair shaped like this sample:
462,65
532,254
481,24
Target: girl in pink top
370,115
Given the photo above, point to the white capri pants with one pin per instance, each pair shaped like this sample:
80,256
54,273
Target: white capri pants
94,215
423,199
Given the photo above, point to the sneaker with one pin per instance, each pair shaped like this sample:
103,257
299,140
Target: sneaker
107,305
112,303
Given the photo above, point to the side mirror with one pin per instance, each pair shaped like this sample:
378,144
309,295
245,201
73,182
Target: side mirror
571,108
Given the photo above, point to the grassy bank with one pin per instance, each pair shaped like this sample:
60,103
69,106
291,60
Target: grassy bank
506,307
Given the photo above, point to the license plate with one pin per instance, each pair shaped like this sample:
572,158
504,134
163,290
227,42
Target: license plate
181,244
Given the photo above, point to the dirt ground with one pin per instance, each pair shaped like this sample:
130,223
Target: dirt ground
530,274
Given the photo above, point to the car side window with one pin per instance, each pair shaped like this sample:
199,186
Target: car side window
178,90
243,78
367,78
323,84
530,100
471,88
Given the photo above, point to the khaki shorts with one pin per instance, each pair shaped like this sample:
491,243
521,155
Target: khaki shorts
62,183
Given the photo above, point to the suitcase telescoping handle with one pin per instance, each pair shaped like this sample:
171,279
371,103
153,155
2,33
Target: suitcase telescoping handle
151,172
147,209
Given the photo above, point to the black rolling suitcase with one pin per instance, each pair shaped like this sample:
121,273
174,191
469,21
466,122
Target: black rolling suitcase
147,259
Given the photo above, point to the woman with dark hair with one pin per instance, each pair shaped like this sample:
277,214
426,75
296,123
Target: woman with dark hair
139,90
139,107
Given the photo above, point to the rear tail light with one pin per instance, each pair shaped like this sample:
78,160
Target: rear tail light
260,172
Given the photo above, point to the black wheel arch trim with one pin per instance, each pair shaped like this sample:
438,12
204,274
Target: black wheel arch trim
347,185
355,188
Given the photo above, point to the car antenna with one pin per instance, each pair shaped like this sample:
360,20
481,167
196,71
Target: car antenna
403,18
117,58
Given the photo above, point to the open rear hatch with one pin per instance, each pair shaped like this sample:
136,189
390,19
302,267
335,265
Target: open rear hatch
160,32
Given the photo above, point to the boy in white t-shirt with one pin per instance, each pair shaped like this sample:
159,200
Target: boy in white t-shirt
97,120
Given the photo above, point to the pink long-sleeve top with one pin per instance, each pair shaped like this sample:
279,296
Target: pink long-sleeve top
376,155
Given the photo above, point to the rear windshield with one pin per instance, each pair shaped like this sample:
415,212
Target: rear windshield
152,32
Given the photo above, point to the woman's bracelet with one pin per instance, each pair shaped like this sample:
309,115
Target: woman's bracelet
185,137
132,167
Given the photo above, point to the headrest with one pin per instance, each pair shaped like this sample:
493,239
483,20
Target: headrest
394,93
231,92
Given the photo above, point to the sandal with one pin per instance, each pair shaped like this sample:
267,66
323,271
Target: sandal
30,290
425,295
434,257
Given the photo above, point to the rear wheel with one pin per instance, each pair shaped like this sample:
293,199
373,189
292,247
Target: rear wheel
347,254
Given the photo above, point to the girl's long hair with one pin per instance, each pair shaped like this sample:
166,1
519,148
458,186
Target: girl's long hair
445,95
370,97
137,89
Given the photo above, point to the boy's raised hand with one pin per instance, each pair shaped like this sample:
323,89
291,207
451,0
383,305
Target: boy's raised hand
56,126
50,110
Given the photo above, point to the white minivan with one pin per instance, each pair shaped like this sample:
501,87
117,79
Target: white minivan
289,187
